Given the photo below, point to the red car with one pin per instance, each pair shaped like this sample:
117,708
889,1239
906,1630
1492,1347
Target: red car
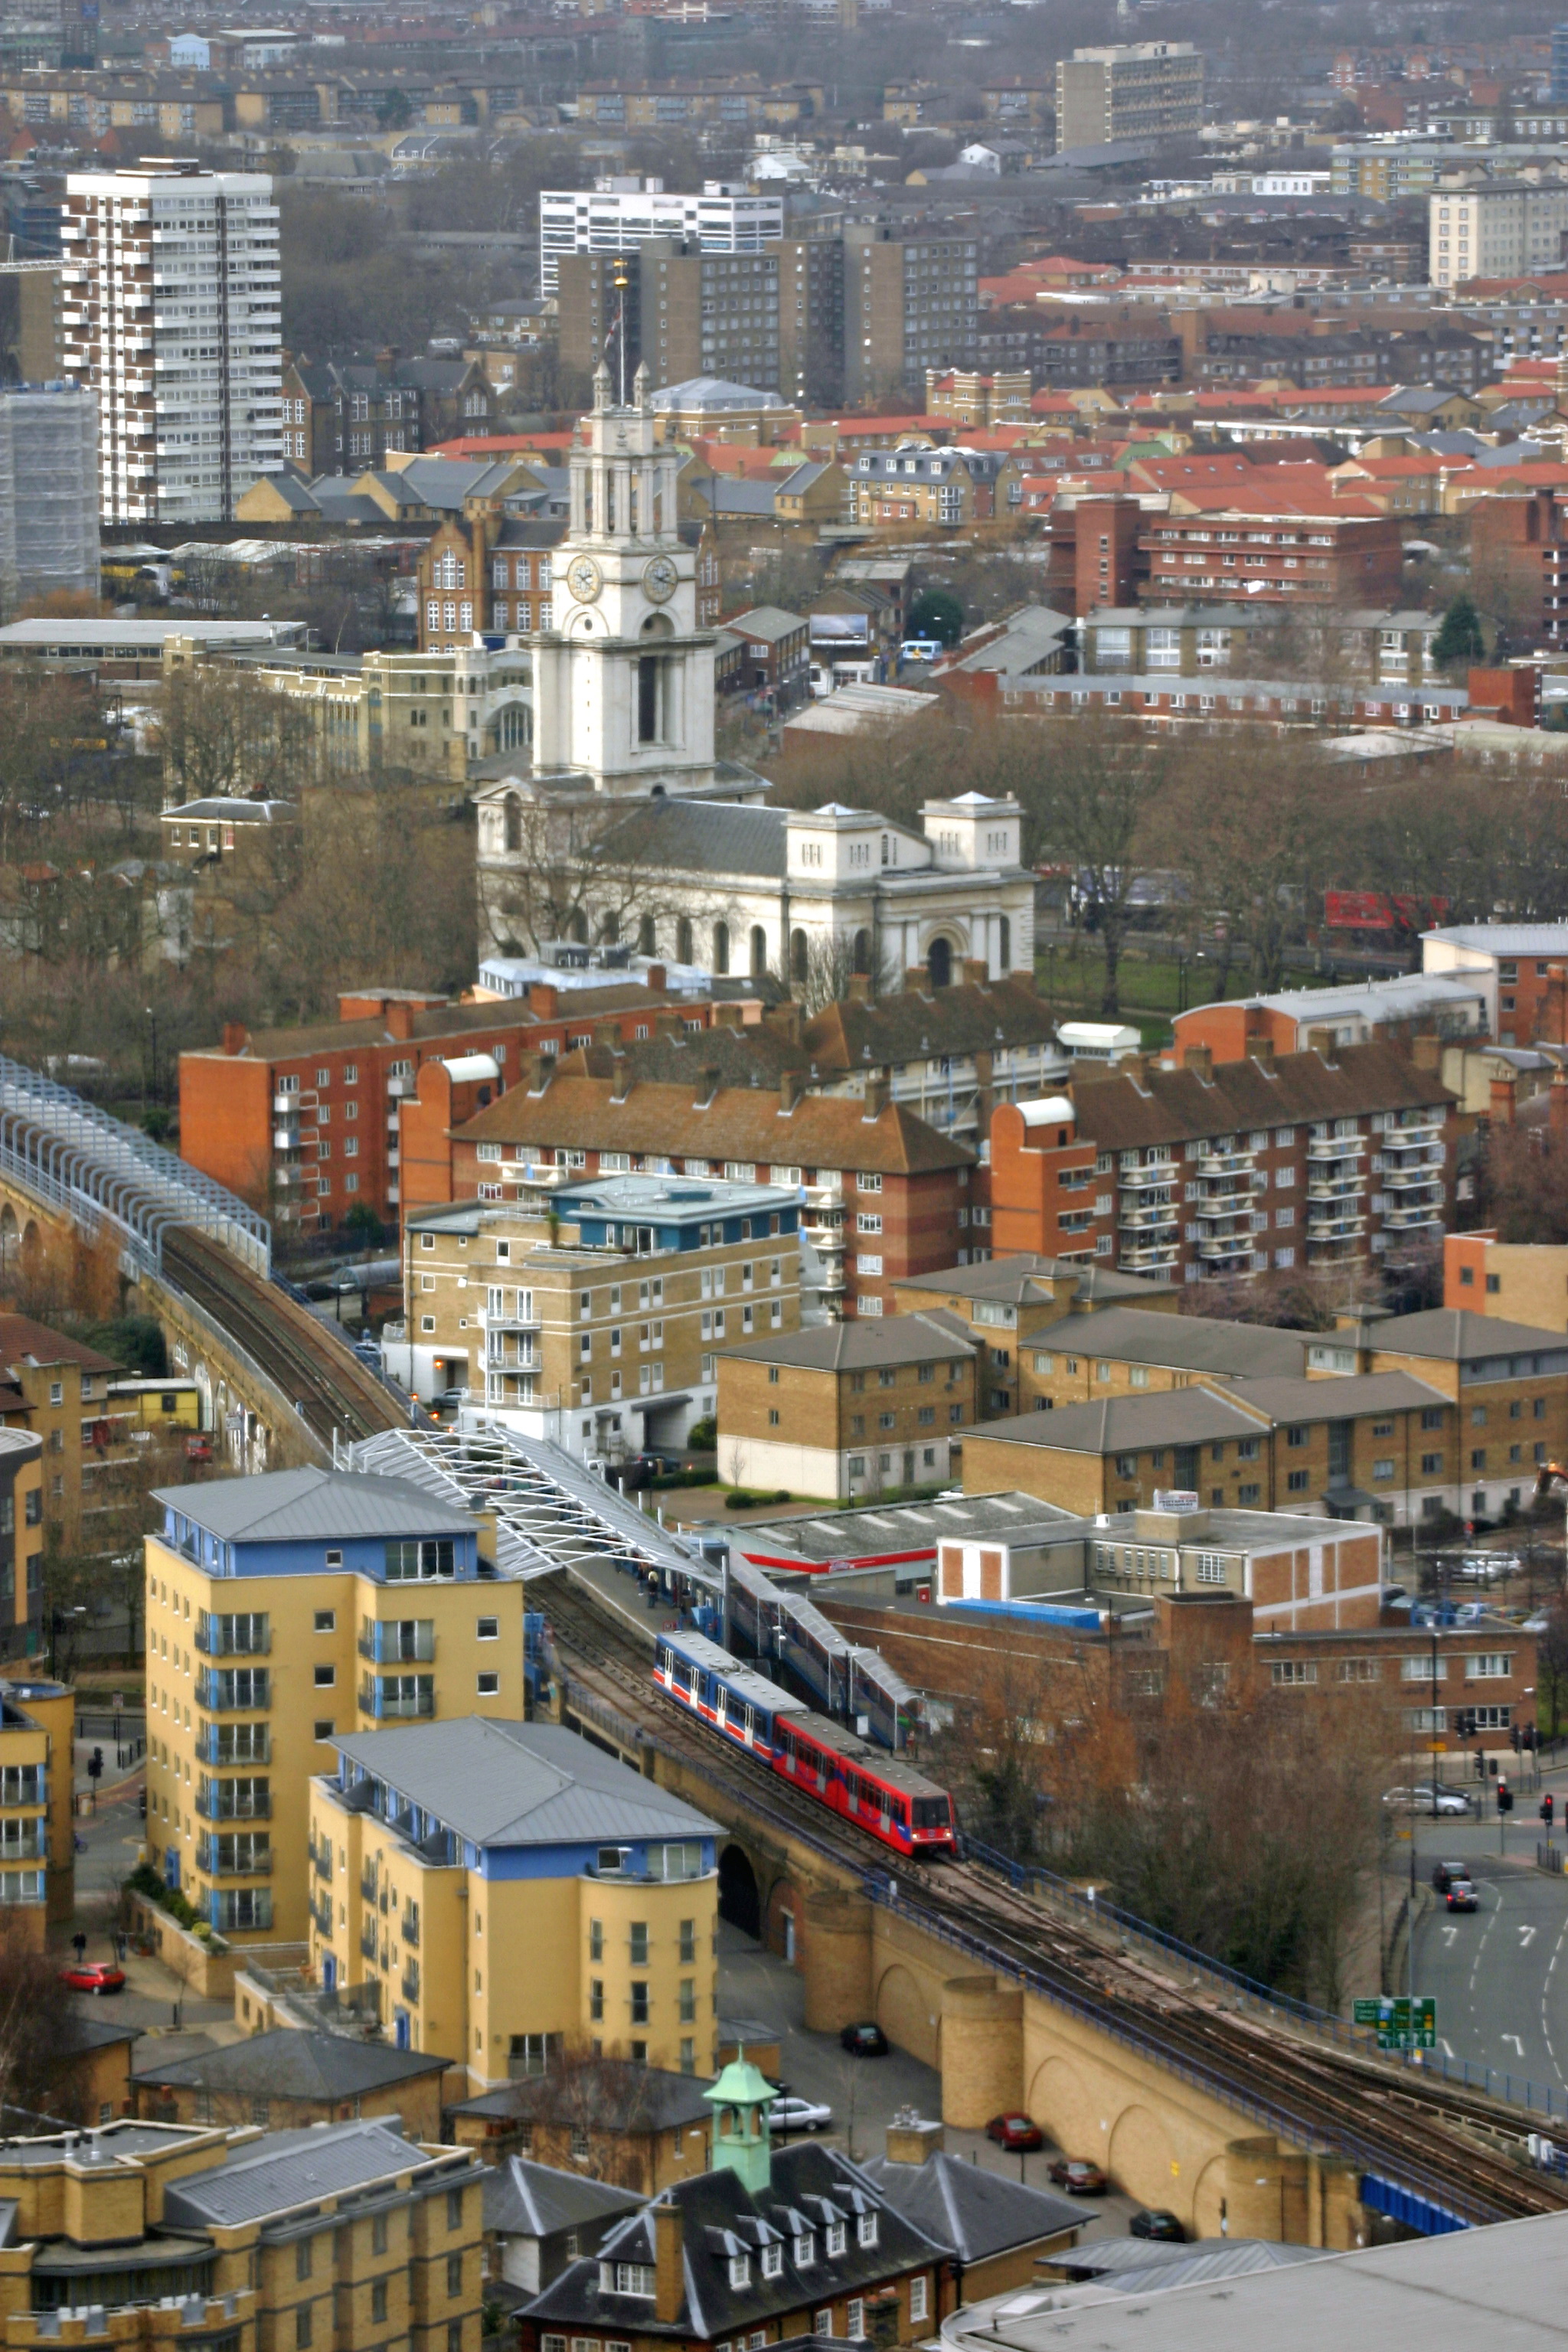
1078,2178
1016,2132
93,1976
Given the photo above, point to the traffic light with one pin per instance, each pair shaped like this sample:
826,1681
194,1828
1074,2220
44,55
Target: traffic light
1466,1723
95,1765
1504,1798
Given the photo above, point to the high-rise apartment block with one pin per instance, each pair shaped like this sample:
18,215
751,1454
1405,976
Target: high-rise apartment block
714,314
1138,89
617,214
48,491
284,1612
171,317
1500,229
910,303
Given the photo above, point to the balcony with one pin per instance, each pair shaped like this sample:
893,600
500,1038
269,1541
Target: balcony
225,1802
399,1089
1422,1131
251,1640
1337,1147
235,1857
408,1927
1133,1221
507,1319
245,1743
25,1785
320,1915
387,1701
1230,1201
1224,1163
409,1987
1336,1188
32,1846
1224,1249
234,1692
1334,1229
369,1884
410,1642
1138,1179
1412,1215
1150,1256
322,1859
368,1943
285,1138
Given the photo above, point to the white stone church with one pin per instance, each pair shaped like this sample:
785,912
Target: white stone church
622,824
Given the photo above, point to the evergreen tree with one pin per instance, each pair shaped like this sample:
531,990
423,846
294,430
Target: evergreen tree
1459,639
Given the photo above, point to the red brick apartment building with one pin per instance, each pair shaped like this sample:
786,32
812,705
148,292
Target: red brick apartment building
1320,558
883,1191
1276,1161
1519,549
304,1121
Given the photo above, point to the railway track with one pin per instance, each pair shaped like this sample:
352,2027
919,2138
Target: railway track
1463,2151
331,1390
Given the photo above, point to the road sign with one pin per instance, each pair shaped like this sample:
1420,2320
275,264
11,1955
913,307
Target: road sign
1401,2024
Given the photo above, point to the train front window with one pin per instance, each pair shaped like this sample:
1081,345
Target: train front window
930,1812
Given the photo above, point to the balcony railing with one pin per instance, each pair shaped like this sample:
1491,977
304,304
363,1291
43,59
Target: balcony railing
1133,1221
321,1910
32,1846
389,1644
1410,1214
219,1859
247,1743
1428,1175
1218,1248
254,1642
1336,1188
1335,1229
1224,1163
225,1804
322,1860
1337,1147
376,1699
408,1927
1417,1130
1225,1201
410,1985
1145,1259
369,1884
26,1785
368,1941
1137,1179
225,1694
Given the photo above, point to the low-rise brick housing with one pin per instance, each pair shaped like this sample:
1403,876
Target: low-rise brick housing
849,1409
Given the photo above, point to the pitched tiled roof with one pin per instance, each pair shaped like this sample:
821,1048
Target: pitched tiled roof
523,2199
980,2213
743,1123
913,1026
1452,1333
287,2170
1194,1343
1123,1425
291,2064
23,1341
1026,1279
701,837
1178,1106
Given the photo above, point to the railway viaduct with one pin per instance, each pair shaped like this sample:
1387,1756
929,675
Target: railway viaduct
997,2043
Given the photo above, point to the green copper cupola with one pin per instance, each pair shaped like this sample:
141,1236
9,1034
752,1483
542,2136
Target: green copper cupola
741,2099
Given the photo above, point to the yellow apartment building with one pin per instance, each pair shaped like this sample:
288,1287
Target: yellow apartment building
21,1536
59,1389
594,1312
37,1843
171,2236
283,1612
501,1892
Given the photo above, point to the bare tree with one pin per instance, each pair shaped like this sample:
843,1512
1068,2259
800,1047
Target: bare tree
591,872
38,2038
1091,792
224,733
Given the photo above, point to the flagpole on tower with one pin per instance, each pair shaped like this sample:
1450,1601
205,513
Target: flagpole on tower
622,280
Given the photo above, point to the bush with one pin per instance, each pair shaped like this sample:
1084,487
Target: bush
739,1500
703,1435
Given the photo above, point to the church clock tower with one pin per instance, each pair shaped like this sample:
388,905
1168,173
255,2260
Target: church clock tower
623,677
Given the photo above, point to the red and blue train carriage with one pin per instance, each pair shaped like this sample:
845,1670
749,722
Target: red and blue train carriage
827,1761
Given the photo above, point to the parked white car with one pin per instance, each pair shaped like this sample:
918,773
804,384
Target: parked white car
798,2115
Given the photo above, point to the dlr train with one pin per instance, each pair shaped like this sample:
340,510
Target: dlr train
888,1799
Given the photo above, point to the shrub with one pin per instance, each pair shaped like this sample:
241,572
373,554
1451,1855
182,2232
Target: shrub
703,1435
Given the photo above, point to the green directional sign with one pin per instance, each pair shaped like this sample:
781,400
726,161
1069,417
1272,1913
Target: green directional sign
1401,2024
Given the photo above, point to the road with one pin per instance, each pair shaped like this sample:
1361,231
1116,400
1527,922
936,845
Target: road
1500,1974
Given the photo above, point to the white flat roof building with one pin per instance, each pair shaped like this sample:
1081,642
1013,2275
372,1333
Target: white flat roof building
616,215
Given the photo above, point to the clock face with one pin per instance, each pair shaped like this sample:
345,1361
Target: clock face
660,579
584,578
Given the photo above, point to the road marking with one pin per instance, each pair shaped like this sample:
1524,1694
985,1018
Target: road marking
1526,1937
1449,1934
1515,2040
1448,2051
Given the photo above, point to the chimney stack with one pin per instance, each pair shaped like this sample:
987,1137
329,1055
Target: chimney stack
1321,1041
668,1022
976,972
790,1087
1503,1101
669,2264
621,1078
1261,1051
531,1074
1199,1059
876,1098
729,1016
656,978
236,1036
859,989
911,2139
543,999
1426,1053
706,1085
400,1022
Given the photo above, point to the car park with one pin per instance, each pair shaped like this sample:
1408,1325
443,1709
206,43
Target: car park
1159,2222
1078,2177
790,2114
1016,2132
864,2040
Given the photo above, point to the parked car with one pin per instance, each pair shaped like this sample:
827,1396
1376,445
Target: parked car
1443,1873
1461,1896
93,1976
1157,2222
789,2115
1078,2177
1017,2132
865,2041
1425,1800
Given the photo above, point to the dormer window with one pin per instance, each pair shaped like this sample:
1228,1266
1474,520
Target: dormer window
740,2271
837,2238
772,2261
865,2229
803,2250
627,2278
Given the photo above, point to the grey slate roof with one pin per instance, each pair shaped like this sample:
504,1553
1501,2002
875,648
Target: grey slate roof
1141,1335
767,622
523,2199
1026,1279
902,1528
702,837
1455,1333
1124,1424
978,2213
844,1347
497,1783
1341,1398
304,1506
286,2170
286,2064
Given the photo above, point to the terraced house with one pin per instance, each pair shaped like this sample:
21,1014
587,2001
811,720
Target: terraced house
282,1612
